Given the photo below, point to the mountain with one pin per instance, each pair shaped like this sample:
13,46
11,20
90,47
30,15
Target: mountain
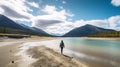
41,32
10,27
86,30
6,22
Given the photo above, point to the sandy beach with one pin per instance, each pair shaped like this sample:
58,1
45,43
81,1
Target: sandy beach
52,58
11,55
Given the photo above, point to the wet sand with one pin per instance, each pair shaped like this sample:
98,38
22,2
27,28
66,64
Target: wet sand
47,57
9,47
7,54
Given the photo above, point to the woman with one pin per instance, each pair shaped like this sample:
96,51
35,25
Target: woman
62,46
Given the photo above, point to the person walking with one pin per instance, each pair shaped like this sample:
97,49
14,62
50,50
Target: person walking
62,46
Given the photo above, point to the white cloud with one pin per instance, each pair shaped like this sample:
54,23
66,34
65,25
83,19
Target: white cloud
53,18
52,10
63,2
44,21
52,14
60,28
16,9
114,21
1,10
49,9
33,4
116,2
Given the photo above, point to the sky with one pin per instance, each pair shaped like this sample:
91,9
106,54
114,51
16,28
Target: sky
58,17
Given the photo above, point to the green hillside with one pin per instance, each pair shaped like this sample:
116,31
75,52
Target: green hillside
107,34
5,30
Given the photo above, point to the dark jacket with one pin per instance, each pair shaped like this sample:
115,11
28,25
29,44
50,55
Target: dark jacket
62,44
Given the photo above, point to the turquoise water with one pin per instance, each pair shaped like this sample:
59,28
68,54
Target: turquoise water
100,53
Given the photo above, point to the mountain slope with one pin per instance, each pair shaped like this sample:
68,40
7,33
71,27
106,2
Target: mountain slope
41,32
9,26
86,30
106,34
6,22
37,30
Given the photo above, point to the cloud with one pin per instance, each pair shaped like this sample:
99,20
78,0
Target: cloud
16,9
1,10
42,22
53,19
52,16
115,2
52,10
60,28
114,21
99,23
49,9
14,14
33,4
63,2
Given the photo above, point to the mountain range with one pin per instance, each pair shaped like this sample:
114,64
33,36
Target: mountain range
11,27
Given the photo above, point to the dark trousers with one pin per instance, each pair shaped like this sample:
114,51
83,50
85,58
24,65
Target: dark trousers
61,50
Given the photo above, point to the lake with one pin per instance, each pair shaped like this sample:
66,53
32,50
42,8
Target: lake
96,53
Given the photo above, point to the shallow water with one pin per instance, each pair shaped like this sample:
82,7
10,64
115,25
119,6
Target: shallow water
100,53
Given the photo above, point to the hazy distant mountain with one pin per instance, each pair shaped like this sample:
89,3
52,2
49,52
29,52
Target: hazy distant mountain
9,26
86,30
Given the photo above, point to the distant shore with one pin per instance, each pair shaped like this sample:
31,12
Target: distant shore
102,38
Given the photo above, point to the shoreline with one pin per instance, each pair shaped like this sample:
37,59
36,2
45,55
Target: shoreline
47,57
101,38
12,58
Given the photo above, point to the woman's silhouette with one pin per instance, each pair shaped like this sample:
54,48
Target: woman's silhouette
62,46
